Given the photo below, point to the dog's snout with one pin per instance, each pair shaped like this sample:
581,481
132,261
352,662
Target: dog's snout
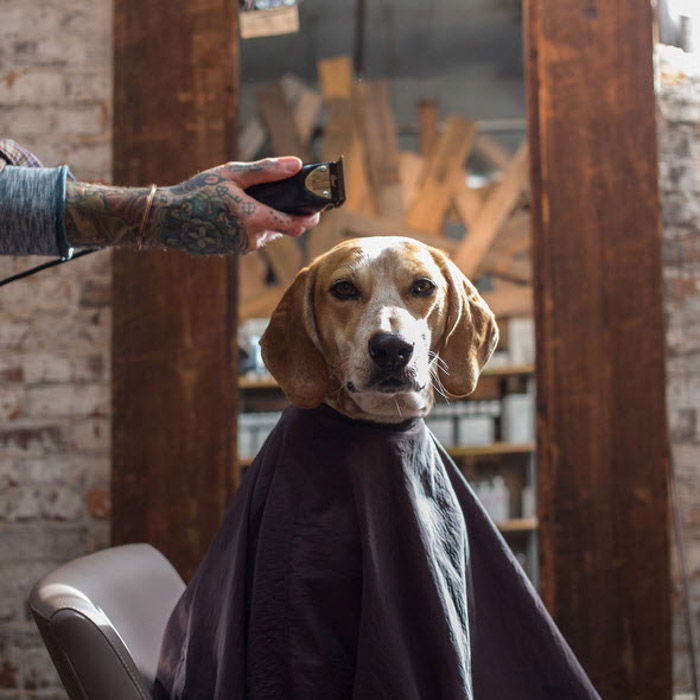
389,351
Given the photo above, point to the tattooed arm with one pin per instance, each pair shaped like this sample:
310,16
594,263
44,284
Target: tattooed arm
207,214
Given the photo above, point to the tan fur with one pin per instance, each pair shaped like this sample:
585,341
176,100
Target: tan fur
316,346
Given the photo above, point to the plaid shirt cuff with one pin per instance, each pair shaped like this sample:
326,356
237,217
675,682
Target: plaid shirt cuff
11,153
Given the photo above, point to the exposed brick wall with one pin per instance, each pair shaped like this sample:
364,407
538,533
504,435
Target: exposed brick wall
679,159
55,97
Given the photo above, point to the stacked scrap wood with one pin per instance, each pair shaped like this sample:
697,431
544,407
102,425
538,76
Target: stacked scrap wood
391,191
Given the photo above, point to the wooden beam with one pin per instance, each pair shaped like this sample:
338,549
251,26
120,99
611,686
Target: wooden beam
174,315
410,168
306,106
358,224
507,299
285,257
493,213
280,120
492,151
326,234
336,77
263,305
602,435
467,201
433,196
428,125
374,117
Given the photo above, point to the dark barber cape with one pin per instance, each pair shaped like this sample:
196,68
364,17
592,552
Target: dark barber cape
355,562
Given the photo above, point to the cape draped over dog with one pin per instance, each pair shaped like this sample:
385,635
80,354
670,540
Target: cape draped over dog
355,562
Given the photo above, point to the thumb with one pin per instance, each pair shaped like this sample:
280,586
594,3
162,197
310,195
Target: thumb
266,170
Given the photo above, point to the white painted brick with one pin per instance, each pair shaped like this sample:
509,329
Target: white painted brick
12,333
43,368
23,440
92,86
51,290
13,403
23,122
90,435
20,503
62,503
87,119
33,541
89,368
32,86
67,400
49,469
35,368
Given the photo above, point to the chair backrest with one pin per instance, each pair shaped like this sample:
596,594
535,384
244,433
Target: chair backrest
102,618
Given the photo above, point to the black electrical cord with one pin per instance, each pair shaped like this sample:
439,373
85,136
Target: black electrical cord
45,266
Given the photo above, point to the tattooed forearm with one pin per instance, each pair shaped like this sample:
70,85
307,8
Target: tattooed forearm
198,224
194,216
210,213
99,215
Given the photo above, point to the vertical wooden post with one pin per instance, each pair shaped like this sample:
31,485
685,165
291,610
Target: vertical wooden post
602,434
174,315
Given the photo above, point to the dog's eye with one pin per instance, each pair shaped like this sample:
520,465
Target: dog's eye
422,287
343,289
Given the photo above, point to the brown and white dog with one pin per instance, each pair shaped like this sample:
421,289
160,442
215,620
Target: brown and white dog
375,327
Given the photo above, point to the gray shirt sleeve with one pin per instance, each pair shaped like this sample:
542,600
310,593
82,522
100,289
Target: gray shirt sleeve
32,210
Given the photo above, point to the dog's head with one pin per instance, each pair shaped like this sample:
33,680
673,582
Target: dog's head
375,326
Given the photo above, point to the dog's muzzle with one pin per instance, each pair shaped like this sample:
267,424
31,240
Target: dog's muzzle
391,355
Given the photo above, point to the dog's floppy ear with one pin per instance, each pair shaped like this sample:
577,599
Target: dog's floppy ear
289,345
471,333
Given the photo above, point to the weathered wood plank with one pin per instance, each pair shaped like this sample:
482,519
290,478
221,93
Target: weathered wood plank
467,201
306,106
279,118
252,270
492,151
374,117
432,199
173,343
508,299
410,169
358,224
329,231
602,436
336,77
492,215
428,112
341,138
285,257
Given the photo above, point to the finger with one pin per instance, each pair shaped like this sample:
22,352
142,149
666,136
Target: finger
266,170
264,218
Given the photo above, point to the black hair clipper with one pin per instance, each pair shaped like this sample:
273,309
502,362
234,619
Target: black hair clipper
317,186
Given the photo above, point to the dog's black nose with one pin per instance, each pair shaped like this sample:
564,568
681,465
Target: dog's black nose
389,351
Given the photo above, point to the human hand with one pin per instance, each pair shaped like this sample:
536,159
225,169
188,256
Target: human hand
211,214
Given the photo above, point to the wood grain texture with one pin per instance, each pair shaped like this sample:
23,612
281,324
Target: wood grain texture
492,214
280,119
374,118
602,436
428,113
174,315
434,193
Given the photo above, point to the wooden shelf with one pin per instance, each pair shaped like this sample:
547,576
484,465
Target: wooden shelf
508,370
496,448
517,525
504,371
257,383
